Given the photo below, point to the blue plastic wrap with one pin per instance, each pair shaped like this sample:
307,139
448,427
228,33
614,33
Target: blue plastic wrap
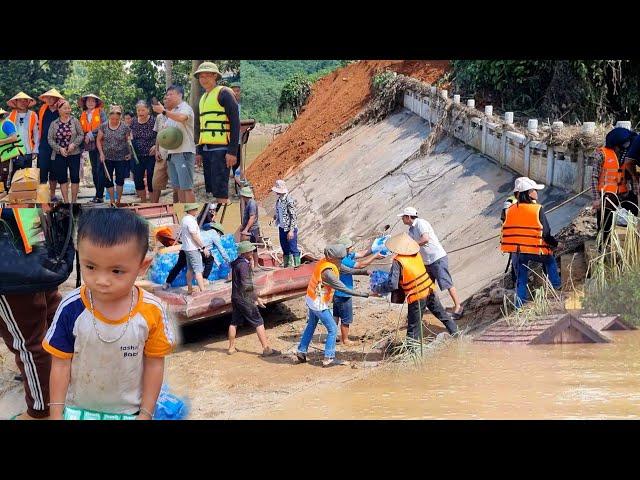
170,406
129,188
164,262
378,246
376,281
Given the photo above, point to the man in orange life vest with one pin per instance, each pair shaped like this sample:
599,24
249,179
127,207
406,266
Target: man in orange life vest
27,126
324,281
46,115
526,233
409,273
612,179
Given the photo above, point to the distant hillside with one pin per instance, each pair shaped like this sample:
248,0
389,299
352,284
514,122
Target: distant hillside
262,81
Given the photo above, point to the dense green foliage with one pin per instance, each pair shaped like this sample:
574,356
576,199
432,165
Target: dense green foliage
263,82
34,77
567,90
115,81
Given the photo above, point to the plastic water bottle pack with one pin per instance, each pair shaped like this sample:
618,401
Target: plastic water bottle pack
376,281
164,262
170,406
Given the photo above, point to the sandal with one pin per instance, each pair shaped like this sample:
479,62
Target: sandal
332,362
301,357
272,352
457,316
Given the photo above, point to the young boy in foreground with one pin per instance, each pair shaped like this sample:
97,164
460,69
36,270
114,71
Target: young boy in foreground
109,338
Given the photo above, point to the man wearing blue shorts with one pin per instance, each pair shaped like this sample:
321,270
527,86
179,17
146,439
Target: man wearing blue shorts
343,302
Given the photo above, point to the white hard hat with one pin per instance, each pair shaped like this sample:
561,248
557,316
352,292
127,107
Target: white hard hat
524,184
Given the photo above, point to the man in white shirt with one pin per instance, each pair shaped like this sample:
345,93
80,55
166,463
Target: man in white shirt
181,166
433,255
192,245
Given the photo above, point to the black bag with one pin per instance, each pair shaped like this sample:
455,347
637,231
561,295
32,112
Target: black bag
48,265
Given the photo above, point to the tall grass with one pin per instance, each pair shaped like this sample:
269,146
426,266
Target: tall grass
544,300
614,284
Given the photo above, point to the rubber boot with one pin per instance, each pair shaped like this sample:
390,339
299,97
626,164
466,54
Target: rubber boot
288,261
296,260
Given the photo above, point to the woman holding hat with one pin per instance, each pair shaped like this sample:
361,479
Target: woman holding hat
144,143
526,232
26,122
409,274
113,146
287,221
92,117
48,113
65,137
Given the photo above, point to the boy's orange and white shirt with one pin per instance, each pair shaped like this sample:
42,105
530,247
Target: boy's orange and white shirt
107,377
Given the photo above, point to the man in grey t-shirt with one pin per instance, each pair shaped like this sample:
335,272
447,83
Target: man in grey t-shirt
433,255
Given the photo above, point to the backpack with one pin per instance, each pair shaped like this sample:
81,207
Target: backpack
50,261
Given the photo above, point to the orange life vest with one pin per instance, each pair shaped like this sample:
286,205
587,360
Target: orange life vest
414,281
95,120
320,293
611,173
43,109
522,230
33,119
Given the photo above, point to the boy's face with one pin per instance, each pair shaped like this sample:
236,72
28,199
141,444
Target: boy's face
110,272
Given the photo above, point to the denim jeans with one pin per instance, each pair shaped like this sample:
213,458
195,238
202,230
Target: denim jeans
289,247
521,263
312,322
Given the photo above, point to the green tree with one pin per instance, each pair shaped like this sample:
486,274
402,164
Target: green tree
34,77
294,94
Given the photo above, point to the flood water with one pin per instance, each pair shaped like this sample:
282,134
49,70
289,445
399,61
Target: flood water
468,380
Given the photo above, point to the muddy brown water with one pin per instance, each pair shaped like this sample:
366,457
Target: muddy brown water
467,380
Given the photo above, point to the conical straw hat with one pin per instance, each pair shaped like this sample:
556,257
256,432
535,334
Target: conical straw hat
402,244
51,93
21,95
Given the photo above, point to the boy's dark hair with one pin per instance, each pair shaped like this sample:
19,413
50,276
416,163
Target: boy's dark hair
131,114
107,227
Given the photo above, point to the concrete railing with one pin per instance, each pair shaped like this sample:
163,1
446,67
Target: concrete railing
569,169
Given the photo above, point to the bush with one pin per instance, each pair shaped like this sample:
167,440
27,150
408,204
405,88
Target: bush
622,296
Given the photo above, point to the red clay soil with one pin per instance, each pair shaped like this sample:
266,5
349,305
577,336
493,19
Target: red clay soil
335,100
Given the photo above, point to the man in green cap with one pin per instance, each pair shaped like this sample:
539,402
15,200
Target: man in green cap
343,302
245,302
193,246
219,132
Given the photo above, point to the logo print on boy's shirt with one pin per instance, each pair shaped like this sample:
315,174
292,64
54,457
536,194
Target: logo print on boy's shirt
129,350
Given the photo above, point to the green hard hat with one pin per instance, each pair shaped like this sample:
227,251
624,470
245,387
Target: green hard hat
245,247
218,226
170,138
246,192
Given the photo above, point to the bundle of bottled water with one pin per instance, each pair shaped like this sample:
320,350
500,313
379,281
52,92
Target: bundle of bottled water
129,188
164,262
377,280
170,406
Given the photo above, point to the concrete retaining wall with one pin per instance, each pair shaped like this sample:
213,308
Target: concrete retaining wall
548,164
